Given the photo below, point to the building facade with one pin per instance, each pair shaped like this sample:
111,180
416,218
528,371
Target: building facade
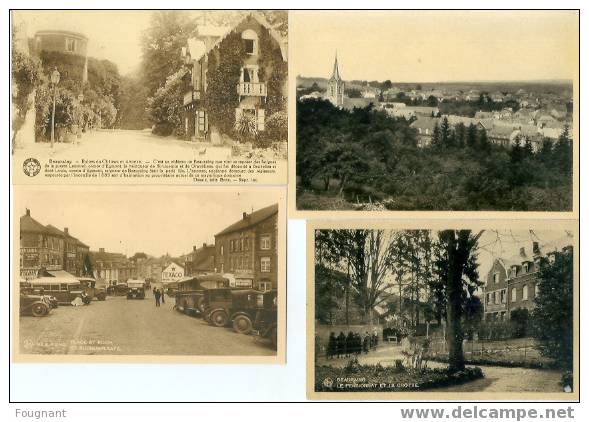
264,57
513,283
200,261
39,248
110,267
64,42
48,248
248,250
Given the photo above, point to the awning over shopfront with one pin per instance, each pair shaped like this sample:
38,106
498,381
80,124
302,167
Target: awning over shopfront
57,273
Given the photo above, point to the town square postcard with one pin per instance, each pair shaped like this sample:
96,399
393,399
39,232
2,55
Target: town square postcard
140,274
434,111
149,96
408,310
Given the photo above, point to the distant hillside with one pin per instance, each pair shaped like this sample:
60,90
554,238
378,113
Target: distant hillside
560,87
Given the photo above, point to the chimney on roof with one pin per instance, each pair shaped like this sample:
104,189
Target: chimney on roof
66,231
244,215
522,252
204,244
194,248
101,250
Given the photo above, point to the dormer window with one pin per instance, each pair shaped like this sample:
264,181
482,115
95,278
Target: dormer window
250,40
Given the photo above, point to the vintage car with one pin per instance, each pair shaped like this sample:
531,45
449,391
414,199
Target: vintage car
190,293
135,289
235,306
93,290
266,318
64,289
35,305
171,289
118,289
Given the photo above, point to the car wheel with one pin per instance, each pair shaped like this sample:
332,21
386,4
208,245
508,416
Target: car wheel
102,297
219,318
39,310
242,324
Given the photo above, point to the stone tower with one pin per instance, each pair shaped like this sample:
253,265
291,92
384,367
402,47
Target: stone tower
335,87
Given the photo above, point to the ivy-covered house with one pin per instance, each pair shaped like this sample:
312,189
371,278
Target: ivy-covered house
236,79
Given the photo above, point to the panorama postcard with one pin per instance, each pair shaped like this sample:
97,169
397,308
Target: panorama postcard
434,111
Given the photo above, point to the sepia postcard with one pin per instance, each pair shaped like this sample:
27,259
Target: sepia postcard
149,97
429,111
406,310
149,274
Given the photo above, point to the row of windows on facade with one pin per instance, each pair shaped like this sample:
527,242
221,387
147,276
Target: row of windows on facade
243,244
244,263
70,44
526,268
54,244
500,296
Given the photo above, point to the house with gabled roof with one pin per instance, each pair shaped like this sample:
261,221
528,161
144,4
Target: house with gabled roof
254,85
512,282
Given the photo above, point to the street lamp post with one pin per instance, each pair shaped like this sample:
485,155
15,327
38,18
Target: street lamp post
54,81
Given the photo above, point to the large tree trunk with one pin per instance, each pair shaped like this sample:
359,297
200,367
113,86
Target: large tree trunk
454,335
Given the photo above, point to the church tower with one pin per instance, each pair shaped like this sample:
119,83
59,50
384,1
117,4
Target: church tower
335,87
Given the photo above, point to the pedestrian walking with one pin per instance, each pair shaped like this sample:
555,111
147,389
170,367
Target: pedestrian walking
162,295
157,296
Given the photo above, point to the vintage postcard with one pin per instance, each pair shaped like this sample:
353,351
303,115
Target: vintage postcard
149,97
146,274
394,117
410,310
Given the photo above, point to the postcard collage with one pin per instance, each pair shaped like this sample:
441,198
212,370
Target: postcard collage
432,154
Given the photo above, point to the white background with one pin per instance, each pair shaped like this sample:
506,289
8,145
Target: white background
102,382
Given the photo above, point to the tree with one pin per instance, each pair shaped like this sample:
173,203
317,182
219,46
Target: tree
26,77
553,314
471,136
161,46
165,106
563,152
519,321
445,133
459,247
436,136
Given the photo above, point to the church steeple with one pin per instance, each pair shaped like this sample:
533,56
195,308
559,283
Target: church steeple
335,86
335,74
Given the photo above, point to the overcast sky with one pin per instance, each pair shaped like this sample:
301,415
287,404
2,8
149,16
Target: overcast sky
436,45
152,222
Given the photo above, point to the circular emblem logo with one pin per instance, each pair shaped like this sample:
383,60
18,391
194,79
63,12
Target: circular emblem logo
328,382
31,167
